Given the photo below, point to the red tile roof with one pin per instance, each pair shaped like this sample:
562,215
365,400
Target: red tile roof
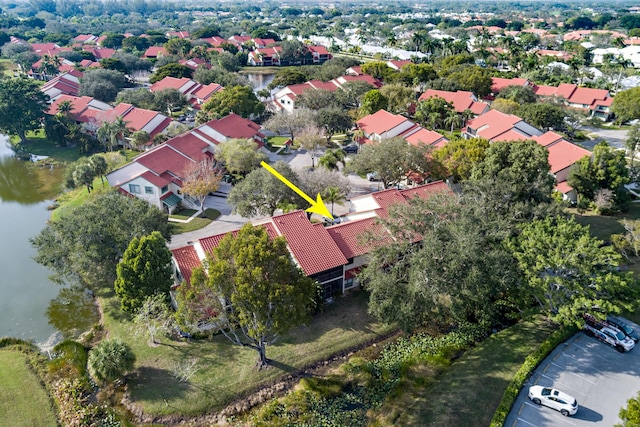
187,260
349,236
311,245
190,145
563,154
155,179
154,51
461,100
500,83
165,159
424,136
547,138
174,83
206,91
235,126
588,96
380,122
563,187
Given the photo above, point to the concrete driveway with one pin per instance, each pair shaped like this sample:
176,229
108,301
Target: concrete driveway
600,378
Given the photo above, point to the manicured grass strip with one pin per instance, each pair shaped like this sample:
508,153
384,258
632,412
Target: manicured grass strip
531,362
23,400
226,372
468,393
183,214
196,223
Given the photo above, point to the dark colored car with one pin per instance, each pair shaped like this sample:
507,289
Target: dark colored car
350,149
624,327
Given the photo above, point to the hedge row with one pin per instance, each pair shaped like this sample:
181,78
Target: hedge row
530,363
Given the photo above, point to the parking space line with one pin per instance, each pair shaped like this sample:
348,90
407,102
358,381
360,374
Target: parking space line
578,375
525,421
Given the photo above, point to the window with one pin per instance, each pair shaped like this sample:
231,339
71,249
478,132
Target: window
134,189
348,283
148,190
165,189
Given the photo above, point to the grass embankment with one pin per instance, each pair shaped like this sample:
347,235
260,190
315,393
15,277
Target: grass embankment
23,400
469,391
38,144
226,372
603,227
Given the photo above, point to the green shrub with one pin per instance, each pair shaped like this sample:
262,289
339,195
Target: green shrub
530,363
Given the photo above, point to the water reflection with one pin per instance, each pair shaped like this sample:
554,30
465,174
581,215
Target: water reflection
72,312
32,307
26,182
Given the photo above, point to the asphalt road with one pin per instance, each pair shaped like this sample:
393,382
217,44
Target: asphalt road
600,378
614,138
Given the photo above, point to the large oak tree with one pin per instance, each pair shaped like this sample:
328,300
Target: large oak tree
265,294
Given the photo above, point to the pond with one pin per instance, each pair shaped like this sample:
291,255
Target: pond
259,81
32,306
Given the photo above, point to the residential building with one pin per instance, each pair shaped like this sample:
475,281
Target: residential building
156,175
64,84
496,126
331,255
196,93
596,101
85,108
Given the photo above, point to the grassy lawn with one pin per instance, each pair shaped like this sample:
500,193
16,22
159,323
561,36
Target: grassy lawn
183,214
23,400
38,144
468,393
77,197
226,372
196,223
603,227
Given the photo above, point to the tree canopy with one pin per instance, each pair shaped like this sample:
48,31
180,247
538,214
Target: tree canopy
626,105
235,99
261,193
266,293
240,156
22,106
459,156
102,84
89,240
568,272
458,276
605,169
145,270
392,160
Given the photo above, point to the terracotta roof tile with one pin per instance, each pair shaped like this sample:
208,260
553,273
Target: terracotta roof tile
380,122
564,154
349,236
187,260
311,246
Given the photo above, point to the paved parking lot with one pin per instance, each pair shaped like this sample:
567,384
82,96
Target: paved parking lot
600,378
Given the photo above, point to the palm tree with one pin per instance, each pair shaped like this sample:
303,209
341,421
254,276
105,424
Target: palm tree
65,107
110,360
418,39
452,119
119,131
50,65
103,133
334,195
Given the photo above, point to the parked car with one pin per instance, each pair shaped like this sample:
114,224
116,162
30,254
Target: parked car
607,333
624,327
350,149
555,399
373,176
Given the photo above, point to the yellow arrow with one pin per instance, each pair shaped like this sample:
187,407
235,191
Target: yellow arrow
317,206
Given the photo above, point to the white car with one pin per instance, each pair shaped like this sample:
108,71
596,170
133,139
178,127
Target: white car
555,399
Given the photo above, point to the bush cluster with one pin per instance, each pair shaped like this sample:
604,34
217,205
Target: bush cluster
345,398
531,362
